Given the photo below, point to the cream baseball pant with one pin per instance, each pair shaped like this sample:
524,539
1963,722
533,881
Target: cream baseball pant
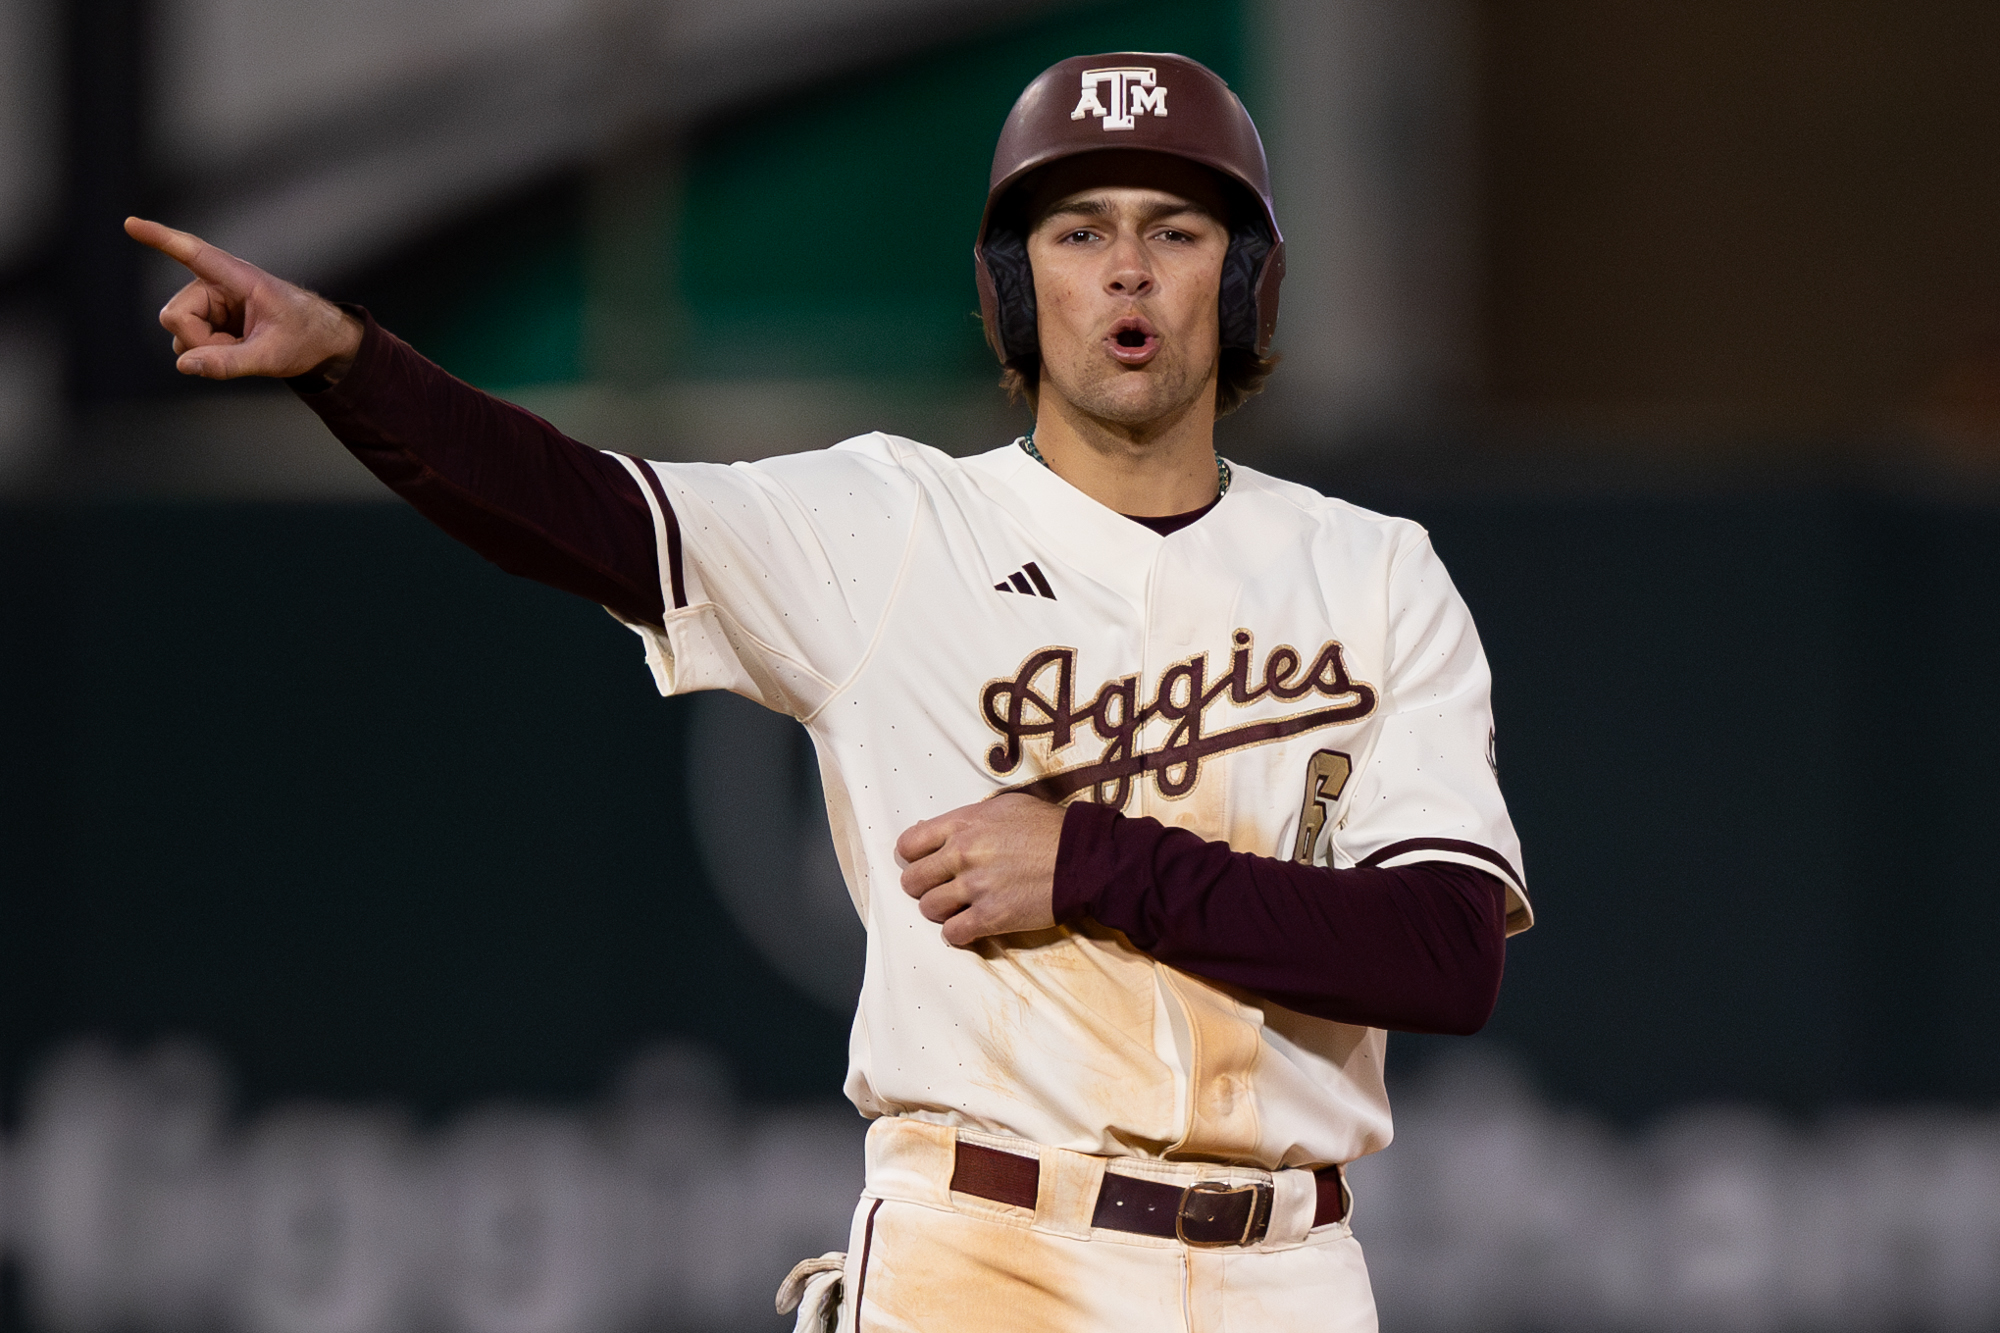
923,1259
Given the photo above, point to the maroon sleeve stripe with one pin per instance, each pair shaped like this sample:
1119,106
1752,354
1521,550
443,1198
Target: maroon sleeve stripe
673,533
1408,845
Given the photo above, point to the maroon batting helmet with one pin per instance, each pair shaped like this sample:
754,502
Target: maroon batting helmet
1129,99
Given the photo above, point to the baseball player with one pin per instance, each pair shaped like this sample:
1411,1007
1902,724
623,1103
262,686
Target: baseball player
1162,786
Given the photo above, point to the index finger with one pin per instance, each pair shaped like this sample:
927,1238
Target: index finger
922,838
189,250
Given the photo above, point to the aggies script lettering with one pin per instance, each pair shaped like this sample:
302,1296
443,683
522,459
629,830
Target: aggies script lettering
1040,700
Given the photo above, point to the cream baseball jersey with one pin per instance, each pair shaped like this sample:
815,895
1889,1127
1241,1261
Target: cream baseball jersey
1290,674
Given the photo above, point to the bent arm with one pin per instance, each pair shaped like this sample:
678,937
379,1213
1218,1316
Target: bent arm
1415,949
494,476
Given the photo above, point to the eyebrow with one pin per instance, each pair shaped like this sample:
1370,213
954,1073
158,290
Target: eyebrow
1096,206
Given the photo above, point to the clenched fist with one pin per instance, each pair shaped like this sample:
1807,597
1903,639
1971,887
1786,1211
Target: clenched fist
985,869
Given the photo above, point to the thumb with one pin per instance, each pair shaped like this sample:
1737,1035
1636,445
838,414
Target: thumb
220,361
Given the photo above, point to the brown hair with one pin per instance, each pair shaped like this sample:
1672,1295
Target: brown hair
1241,374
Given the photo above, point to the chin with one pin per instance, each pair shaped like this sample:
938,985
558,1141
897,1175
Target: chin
1136,398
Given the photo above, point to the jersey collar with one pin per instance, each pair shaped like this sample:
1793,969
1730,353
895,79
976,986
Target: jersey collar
1089,536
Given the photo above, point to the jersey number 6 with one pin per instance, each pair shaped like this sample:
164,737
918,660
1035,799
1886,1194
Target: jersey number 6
1326,777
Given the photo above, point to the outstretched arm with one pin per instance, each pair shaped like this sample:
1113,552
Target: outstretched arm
496,477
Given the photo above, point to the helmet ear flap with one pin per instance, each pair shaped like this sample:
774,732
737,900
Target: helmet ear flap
1015,333
1269,280
1237,302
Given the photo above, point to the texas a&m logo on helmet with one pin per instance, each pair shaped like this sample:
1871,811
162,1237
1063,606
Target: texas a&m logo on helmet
1131,91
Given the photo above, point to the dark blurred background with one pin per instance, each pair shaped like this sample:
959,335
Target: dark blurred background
1678,325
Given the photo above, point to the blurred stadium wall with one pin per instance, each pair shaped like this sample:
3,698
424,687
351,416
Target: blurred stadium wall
136,1204
347,858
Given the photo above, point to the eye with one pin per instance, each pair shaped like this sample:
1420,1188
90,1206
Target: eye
1175,236
1079,237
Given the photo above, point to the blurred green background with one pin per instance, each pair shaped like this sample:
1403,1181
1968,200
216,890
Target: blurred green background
829,234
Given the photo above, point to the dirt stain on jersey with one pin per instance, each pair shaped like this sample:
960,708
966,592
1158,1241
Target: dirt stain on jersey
1227,1037
1081,988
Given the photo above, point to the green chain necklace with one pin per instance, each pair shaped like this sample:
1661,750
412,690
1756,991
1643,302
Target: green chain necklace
1027,442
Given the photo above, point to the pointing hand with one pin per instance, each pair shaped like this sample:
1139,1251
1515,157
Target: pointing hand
234,319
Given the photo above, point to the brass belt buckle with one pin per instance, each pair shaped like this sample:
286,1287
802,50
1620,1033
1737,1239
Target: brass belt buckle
1256,1218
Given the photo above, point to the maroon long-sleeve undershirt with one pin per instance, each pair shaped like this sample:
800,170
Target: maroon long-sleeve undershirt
495,476
1416,949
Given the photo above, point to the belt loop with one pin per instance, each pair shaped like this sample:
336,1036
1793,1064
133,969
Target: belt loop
911,1159
1066,1194
1295,1196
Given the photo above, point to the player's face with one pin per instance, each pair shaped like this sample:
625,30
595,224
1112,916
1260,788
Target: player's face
1127,255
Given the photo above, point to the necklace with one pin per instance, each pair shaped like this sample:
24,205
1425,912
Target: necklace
1027,442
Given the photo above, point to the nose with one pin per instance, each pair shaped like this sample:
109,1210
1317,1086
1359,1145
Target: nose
1127,273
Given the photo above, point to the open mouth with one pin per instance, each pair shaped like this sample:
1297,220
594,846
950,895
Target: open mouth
1133,340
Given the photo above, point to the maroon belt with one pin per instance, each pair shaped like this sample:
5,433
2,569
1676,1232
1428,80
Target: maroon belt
1206,1213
